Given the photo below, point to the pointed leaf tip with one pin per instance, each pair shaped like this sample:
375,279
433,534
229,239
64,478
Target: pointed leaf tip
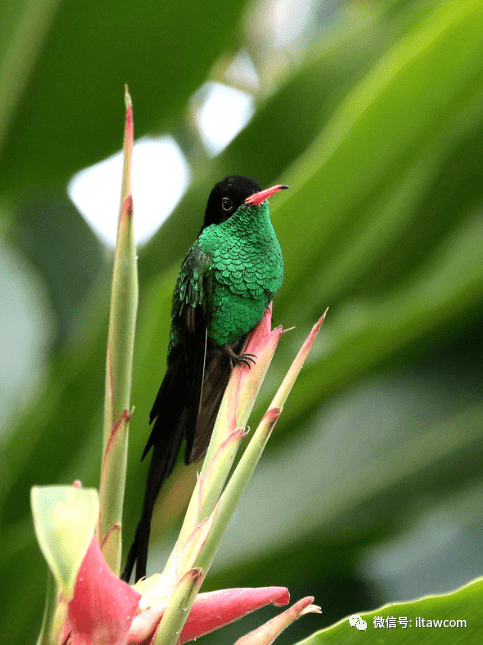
127,97
317,326
280,397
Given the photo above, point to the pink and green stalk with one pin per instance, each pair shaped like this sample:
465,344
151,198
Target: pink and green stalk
120,348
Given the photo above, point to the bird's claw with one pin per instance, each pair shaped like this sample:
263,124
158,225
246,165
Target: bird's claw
244,358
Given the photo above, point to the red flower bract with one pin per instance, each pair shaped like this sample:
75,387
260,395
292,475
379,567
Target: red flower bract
210,611
103,606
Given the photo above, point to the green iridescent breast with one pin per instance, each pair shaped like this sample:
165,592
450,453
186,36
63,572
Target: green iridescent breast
232,271
246,271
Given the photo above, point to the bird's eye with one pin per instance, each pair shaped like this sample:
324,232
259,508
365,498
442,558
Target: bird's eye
226,204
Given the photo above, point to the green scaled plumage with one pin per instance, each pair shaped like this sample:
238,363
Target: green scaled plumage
226,282
240,262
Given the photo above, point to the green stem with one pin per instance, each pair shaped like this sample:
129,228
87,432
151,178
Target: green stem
120,349
55,613
50,609
177,611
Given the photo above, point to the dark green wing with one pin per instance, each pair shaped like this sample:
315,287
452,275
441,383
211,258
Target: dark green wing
208,367
178,401
176,408
189,296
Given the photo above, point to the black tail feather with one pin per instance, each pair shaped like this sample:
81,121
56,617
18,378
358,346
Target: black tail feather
162,463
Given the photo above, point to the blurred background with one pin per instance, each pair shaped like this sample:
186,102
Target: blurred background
372,111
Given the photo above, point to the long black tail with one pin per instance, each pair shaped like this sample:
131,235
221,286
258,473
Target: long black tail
162,463
185,408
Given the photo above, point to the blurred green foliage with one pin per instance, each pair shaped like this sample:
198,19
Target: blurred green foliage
415,622
370,488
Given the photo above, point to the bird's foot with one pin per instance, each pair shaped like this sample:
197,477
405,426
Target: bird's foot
239,359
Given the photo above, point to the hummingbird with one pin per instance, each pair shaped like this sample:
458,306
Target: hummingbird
227,280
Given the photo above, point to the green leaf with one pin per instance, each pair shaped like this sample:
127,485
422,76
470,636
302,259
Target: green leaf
447,618
438,55
64,520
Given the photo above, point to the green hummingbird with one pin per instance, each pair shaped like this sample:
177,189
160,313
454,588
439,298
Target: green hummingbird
227,280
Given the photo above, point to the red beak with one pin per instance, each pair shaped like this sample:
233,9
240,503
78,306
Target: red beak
258,198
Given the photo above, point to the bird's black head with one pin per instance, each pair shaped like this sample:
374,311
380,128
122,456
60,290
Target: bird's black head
227,196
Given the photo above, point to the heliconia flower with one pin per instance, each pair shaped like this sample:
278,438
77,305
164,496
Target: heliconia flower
106,610
210,611
103,606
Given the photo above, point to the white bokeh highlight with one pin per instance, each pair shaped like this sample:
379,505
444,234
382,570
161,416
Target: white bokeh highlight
224,112
160,178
